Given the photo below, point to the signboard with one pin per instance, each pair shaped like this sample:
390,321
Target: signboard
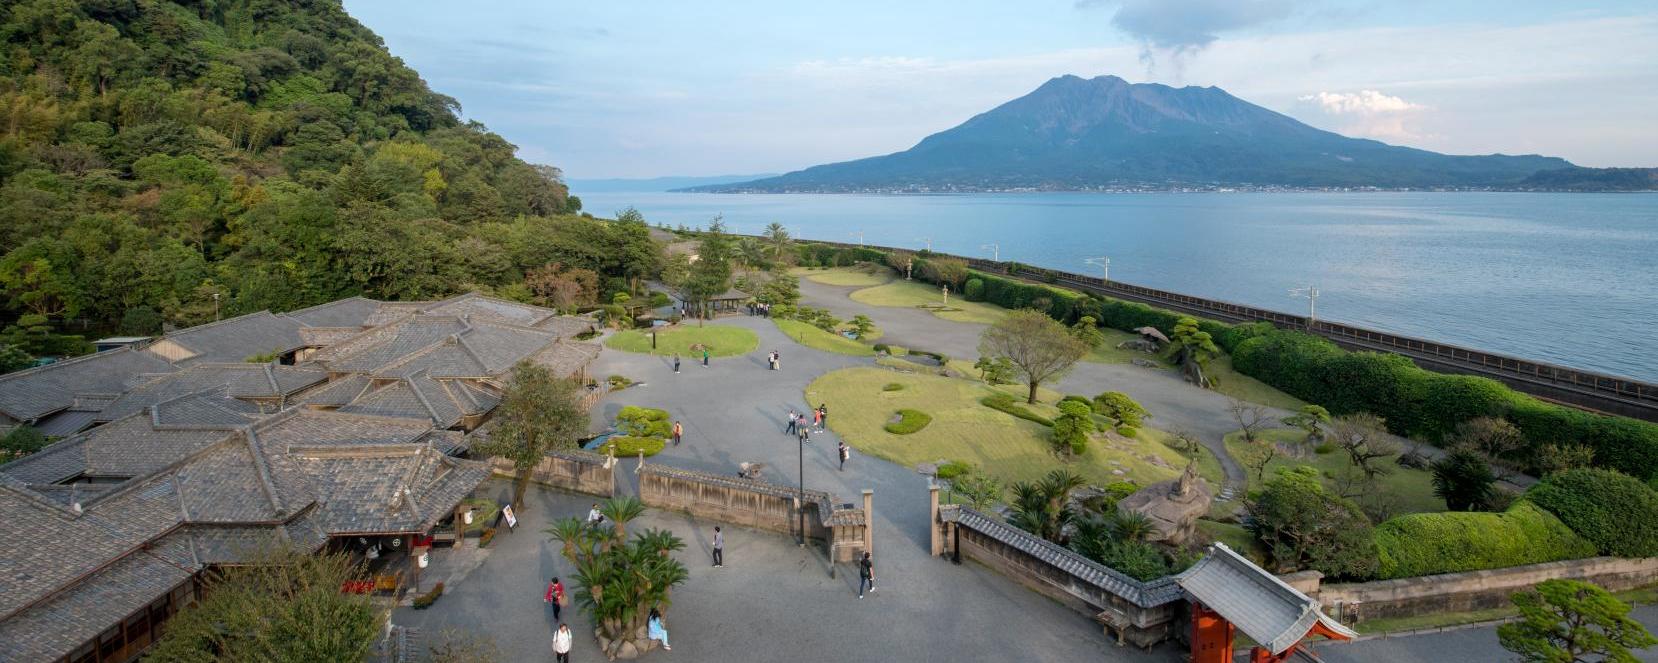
512,520
424,559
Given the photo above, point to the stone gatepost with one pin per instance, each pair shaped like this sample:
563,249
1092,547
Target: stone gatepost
932,519
869,521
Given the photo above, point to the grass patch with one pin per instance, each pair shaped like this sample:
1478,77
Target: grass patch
1245,388
907,365
624,446
892,386
910,294
909,421
962,430
1642,595
1413,489
866,275
817,339
1236,537
722,341
1108,353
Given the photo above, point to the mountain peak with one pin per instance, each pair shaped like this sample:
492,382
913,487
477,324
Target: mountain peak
1101,132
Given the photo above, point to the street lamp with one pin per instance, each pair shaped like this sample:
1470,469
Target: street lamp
1104,265
860,235
1311,294
995,251
928,241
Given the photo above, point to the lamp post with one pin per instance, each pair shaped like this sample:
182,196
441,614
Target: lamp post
1104,265
928,241
995,251
1311,294
215,307
860,235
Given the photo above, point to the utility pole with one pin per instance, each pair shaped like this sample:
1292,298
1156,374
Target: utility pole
1104,265
929,243
860,235
995,251
1311,294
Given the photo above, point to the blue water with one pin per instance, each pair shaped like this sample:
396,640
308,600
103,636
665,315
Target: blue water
1570,279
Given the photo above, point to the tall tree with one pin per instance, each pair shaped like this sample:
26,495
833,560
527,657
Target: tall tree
1039,348
777,238
1364,437
1571,621
539,412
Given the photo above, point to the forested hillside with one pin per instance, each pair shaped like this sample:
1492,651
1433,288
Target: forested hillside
156,153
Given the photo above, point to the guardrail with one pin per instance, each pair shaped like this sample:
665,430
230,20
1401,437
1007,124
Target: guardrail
1579,388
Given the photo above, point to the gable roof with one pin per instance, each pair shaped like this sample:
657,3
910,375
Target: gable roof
1265,608
348,312
239,380
32,393
236,339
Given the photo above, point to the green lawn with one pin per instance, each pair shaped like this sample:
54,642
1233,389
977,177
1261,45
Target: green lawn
1108,353
722,341
812,337
1234,536
1245,388
846,276
914,294
1412,488
1004,446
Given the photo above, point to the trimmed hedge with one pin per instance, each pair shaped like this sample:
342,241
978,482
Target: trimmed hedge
426,600
1615,511
1419,402
643,422
909,421
953,469
892,386
627,446
1004,403
1422,544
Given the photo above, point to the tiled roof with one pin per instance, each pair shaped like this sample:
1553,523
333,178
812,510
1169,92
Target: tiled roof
1143,594
208,410
238,338
362,489
65,423
336,393
567,358
565,326
348,312
325,336
389,312
1265,608
443,402
377,347
480,308
243,380
59,548
29,394
320,428
53,628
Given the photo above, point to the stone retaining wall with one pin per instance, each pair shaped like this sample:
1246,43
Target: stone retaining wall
843,528
1142,613
1473,590
574,470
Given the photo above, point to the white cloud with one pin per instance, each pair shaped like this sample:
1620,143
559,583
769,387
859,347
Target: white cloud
1363,102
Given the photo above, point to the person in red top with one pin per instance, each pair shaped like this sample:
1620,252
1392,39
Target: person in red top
555,596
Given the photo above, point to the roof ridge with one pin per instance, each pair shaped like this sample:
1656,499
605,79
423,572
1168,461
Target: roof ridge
65,362
261,466
337,302
217,323
424,402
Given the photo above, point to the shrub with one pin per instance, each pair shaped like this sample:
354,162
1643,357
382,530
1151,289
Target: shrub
1324,448
892,386
1304,526
620,382
897,350
880,347
1128,431
909,421
1004,403
974,291
426,600
486,537
627,446
1614,511
1464,480
953,469
638,421
1071,427
1429,543
1120,408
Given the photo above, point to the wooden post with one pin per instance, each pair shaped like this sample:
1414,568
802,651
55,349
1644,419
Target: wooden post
869,520
932,519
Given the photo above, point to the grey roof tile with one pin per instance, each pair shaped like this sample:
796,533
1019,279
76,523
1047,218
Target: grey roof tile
335,393
237,338
1265,608
348,312
33,393
57,626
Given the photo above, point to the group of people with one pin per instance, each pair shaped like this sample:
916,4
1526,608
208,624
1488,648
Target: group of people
775,360
798,425
760,309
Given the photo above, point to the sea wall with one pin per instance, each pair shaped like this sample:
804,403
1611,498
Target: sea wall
1585,389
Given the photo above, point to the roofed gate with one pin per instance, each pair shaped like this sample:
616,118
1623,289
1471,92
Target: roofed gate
1230,593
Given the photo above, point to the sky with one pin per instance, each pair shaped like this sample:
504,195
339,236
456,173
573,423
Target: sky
646,88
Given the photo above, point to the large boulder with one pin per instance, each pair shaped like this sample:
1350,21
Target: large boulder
1172,506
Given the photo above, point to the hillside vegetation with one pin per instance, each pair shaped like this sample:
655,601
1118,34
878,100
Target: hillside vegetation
156,154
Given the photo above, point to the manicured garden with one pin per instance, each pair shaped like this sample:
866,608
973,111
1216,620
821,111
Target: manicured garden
914,294
1411,489
813,337
861,275
963,429
721,341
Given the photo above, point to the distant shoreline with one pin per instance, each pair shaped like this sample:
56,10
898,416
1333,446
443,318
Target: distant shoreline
1140,190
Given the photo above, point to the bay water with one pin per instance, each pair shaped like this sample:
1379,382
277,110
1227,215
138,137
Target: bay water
1570,279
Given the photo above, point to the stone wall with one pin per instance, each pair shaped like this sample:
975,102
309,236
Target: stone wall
1473,590
842,528
1142,613
574,470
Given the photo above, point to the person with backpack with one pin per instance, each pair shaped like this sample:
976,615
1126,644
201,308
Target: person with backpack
555,596
561,643
866,575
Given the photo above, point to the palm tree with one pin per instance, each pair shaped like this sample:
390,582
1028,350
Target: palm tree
1042,508
577,535
778,238
659,540
620,511
1131,526
751,253
619,581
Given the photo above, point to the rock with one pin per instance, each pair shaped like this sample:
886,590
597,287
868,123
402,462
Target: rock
1145,363
627,651
929,469
1172,506
1118,472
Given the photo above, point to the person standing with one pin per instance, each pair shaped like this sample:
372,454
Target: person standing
593,515
793,419
817,419
804,432
823,414
561,643
679,432
676,362
705,357
719,547
555,596
656,631
866,575
845,453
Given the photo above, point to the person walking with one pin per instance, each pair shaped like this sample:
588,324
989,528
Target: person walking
561,643
822,415
804,432
845,453
794,418
676,362
705,357
593,515
656,631
866,575
679,432
817,419
555,596
719,547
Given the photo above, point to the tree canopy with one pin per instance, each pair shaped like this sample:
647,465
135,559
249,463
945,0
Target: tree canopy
1039,348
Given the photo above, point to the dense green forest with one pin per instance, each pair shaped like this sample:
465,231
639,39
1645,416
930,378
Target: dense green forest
154,154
